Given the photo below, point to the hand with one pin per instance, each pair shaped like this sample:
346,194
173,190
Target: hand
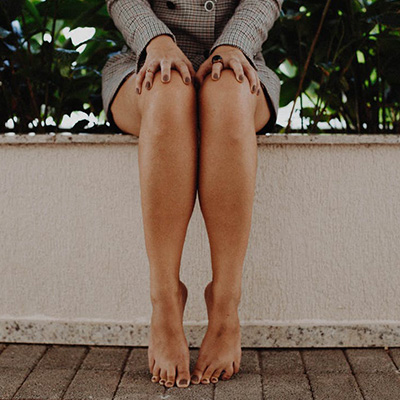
163,53
234,59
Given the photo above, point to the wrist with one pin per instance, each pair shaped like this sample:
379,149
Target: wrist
160,40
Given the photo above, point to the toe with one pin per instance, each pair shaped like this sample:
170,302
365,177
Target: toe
236,366
216,374
183,377
196,375
228,372
151,364
156,373
171,373
163,377
207,374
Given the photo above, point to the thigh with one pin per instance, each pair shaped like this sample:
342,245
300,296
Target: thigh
126,107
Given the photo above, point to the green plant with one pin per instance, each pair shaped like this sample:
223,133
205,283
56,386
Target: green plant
341,57
41,72
353,74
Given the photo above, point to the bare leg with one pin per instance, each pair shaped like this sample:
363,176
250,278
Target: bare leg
229,117
168,173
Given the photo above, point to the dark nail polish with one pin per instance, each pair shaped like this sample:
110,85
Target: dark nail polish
253,89
165,78
195,379
183,382
187,79
137,90
258,92
147,85
241,78
215,76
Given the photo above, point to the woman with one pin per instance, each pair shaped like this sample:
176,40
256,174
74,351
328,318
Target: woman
193,85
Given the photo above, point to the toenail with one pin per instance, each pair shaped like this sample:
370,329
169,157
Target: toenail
205,380
183,382
169,383
162,381
154,378
214,380
195,379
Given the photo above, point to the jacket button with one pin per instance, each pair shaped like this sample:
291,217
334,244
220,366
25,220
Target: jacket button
209,5
170,5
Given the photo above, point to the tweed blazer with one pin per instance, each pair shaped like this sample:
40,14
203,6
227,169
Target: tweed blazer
197,27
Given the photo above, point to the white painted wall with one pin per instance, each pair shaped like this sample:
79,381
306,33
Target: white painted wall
324,250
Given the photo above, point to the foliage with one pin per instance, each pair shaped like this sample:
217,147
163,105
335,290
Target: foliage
352,75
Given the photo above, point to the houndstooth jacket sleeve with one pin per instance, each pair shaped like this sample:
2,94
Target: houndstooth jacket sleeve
137,23
249,26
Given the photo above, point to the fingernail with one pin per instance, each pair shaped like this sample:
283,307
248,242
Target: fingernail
258,92
187,79
183,382
195,379
253,89
137,90
147,85
240,77
165,78
215,76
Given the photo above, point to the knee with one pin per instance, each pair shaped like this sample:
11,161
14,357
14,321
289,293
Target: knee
169,99
227,93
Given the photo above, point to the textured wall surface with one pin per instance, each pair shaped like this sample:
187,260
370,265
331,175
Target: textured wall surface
324,248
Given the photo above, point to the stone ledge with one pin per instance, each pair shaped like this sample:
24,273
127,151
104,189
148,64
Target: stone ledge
275,138
255,334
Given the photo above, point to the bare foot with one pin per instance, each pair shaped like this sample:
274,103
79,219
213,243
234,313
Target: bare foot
168,352
221,346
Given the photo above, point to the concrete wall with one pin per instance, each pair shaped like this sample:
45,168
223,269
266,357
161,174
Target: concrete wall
322,266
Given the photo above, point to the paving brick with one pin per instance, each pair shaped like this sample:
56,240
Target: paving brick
21,355
105,358
325,361
286,387
334,386
370,360
45,384
96,384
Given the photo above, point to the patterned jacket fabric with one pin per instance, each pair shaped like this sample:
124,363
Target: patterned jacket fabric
197,27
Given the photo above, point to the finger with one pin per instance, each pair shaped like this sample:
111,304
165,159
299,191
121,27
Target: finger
203,70
165,71
149,75
216,71
253,78
184,71
140,78
237,69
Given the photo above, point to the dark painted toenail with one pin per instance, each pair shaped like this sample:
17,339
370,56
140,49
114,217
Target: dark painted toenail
214,380
161,382
205,380
183,382
154,378
169,384
195,379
